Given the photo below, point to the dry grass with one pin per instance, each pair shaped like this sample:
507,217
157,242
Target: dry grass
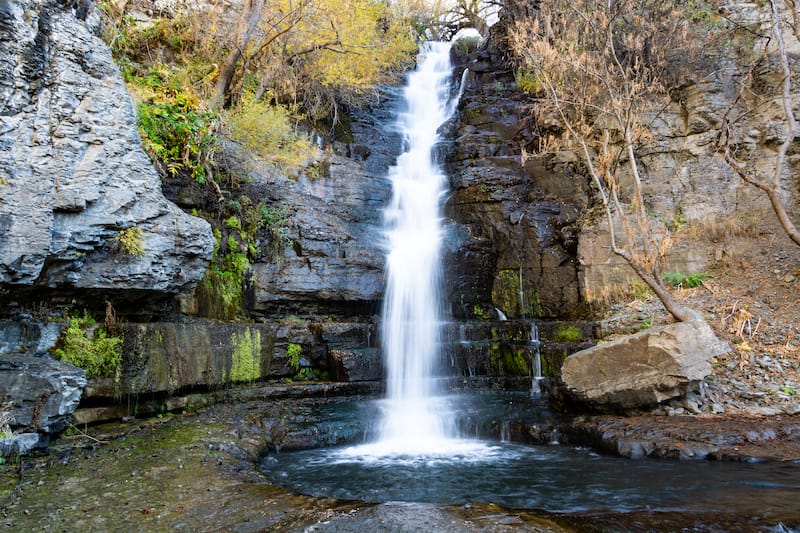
739,322
632,289
714,229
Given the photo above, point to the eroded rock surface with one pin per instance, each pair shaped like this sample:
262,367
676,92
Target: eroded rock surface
73,172
40,394
723,438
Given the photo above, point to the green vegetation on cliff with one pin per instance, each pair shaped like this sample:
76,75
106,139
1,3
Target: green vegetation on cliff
90,348
567,333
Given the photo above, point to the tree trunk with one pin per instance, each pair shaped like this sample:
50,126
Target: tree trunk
228,69
679,312
783,216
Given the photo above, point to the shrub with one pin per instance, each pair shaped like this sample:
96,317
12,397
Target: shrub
220,292
130,241
466,45
178,135
233,222
276,220
685,281
267,130
99,355
527,81
293,353
478,312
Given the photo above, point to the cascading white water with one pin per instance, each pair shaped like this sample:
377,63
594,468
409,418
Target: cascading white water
412,306
417,422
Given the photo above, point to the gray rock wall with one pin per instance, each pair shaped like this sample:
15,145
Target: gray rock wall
330,258
687,183
164,357
333,260
72,170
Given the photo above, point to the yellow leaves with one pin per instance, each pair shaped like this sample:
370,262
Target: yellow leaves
744,346
173,167
357,40
130,241
268,130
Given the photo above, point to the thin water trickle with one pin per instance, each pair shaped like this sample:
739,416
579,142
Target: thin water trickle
536,371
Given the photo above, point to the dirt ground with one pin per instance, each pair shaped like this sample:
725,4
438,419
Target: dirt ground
751,301
749,408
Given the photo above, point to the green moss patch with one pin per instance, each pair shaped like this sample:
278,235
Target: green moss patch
567,333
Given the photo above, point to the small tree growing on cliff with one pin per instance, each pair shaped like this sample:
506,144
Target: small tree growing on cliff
597,66
313,53
775,103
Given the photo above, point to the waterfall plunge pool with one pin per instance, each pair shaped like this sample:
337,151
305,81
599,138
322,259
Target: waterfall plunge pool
411,454
550,478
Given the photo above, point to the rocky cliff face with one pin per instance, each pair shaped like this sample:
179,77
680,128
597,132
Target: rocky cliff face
516,248
333,262
529,242
321,253
72,171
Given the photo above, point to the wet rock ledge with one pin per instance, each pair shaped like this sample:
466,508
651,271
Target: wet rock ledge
703,437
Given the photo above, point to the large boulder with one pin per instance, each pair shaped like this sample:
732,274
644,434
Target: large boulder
644,369
40,395
73,174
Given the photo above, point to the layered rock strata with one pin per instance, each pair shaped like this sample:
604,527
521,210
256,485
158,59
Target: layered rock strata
73,176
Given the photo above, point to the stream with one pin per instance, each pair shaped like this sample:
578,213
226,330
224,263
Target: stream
552,478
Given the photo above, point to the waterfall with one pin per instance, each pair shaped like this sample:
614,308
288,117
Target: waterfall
412,307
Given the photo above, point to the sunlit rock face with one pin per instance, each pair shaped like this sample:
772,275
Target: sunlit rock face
73,172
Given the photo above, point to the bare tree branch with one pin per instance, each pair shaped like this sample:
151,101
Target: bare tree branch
770,185
594,77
